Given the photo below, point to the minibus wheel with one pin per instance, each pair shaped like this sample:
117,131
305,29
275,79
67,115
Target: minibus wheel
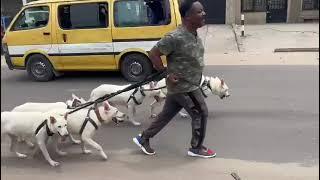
135,67
39,68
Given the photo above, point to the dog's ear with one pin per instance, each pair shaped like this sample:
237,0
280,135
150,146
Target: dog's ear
152,84
222,82
65,116
106,106
52,120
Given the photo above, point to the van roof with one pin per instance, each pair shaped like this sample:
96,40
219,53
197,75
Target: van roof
53,1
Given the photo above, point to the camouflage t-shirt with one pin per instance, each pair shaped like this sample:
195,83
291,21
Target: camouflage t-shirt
184,52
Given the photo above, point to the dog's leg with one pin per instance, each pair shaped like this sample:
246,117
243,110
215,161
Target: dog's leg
30,144
56,141
35,151
41,141
84,149
74,141
13,147
131,110
96,146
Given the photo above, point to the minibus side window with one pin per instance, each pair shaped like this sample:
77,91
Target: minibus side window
83,16
133,13
32,18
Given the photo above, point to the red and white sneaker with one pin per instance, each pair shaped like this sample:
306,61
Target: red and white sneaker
203,152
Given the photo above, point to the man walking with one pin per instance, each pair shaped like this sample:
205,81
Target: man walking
184,51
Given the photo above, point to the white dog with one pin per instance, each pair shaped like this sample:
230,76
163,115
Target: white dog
208,85
85,122
129,99
36,125
43,107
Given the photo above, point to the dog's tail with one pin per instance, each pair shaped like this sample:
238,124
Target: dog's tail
3,122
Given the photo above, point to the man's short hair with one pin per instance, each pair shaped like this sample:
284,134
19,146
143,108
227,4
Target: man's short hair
185,7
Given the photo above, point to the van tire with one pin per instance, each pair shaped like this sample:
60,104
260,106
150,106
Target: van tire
135,67
39,68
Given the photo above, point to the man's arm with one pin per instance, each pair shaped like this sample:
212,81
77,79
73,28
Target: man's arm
155,57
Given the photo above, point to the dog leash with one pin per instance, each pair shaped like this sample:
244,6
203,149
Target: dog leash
153,77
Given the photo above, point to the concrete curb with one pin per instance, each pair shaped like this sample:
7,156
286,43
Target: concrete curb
296,50
237,38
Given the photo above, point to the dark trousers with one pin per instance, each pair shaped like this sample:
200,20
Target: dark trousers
193,102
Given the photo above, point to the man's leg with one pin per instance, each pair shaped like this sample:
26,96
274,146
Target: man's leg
194,104
170,109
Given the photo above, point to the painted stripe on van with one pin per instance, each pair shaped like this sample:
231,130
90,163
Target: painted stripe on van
131,40
82,49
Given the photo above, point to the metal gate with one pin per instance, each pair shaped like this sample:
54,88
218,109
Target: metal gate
277,11
215,10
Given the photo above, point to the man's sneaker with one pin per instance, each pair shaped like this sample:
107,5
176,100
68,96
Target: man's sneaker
144,145
202,152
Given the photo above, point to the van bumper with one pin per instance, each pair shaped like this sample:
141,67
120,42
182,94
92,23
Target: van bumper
8,58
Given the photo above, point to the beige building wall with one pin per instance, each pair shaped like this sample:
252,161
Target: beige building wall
294,8
255,17
230,11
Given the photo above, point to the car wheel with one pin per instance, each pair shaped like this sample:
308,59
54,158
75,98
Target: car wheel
39,68
136,67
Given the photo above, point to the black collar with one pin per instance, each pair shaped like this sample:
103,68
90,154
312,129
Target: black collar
49,133
141,91
88,119
206,83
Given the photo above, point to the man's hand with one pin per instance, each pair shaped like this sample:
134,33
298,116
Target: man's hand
173,78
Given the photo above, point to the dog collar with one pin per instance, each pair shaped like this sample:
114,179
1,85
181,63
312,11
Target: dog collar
88,119
132,96
205,84
96,110
141,91
49,133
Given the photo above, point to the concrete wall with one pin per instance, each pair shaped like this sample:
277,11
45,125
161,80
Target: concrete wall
297,15
308,15
255,17
230,11
237,5
294,8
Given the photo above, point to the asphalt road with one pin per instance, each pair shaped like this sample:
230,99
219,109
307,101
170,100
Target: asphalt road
268,128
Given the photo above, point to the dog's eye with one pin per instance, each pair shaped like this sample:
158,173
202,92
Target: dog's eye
59,126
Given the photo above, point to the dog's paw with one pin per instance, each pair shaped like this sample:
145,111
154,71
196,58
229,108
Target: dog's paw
86,151
21,155
183,115
136,123
104,156
77,142
62,153
54,163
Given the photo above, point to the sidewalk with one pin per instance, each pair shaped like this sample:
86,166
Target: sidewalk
224,46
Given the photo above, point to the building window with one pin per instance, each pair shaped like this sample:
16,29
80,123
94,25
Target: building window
253,5
310,5
135,13
83,16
